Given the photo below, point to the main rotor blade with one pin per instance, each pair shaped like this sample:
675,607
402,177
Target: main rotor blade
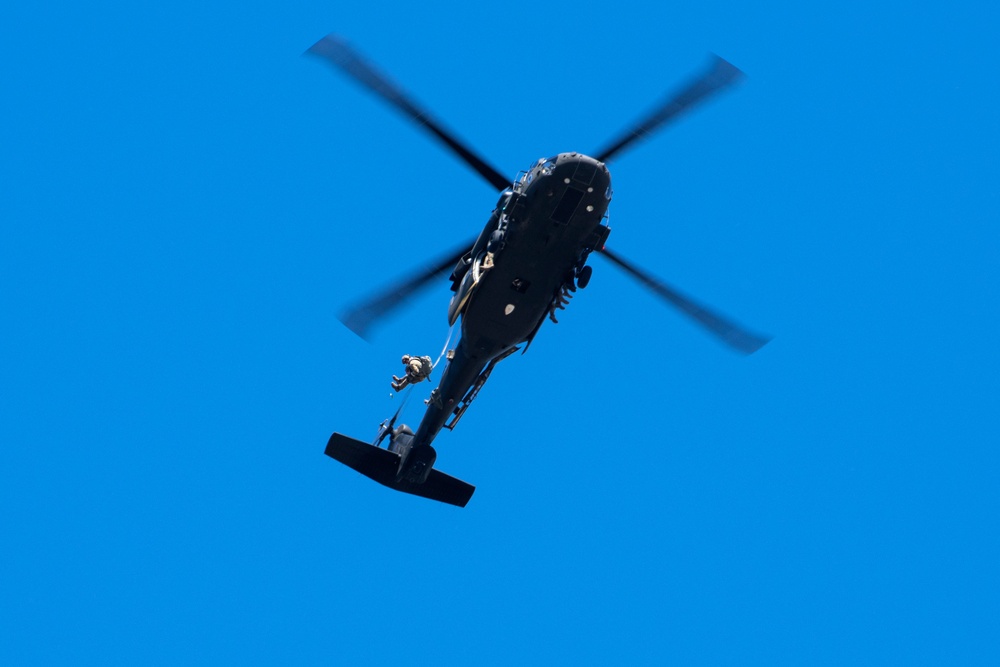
730,333
720,74
339,54
361,317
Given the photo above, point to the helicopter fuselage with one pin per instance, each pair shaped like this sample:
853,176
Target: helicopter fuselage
529,259
531,252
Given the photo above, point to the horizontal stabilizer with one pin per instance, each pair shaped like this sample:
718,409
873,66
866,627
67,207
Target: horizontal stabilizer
382,465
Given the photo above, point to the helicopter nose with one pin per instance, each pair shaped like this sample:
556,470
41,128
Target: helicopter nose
581,171
579,187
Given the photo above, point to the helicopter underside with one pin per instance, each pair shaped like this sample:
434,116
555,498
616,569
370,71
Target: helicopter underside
549,228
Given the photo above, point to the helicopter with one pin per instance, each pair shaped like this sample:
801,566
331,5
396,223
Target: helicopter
522,269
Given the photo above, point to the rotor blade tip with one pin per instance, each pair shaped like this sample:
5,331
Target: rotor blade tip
329,46
358,326
726,69
749,346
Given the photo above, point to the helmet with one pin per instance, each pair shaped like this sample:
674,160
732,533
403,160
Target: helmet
406,358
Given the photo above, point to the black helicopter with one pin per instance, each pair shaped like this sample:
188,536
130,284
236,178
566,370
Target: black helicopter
524,266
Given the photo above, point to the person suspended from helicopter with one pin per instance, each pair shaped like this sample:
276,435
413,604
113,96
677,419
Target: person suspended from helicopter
418,369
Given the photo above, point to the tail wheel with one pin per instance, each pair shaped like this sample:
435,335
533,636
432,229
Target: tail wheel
583,277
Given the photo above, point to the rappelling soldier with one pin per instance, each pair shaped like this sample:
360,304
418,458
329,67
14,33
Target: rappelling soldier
418,369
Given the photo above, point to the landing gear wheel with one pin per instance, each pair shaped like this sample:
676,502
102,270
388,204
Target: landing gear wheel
583,278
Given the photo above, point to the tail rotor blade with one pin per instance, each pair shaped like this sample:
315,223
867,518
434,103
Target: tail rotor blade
360,318
727,331
335,51
720,74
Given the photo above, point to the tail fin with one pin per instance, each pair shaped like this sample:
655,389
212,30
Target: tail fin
382,465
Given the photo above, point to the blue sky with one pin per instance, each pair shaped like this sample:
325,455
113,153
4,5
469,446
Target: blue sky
187,203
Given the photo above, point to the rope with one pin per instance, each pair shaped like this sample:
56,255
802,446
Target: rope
406,397
444,349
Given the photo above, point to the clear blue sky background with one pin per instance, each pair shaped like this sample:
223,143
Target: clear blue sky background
187,203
